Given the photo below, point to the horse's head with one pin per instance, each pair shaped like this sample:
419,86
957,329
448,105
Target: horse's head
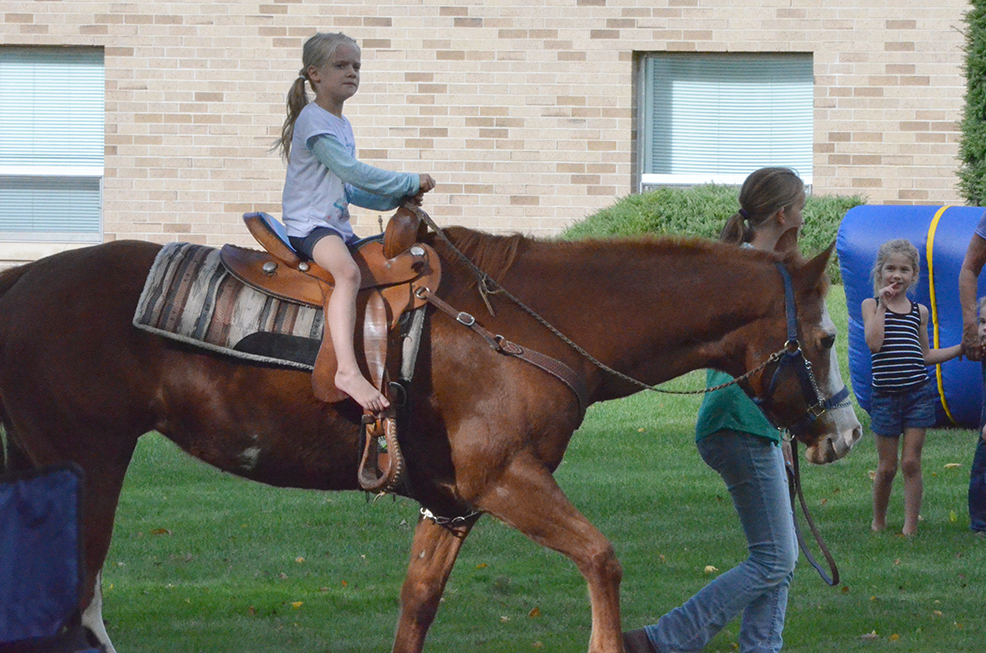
802,388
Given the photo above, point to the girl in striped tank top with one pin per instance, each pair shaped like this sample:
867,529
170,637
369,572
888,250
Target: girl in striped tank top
902,404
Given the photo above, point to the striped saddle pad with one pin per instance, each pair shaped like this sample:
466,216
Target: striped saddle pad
189,296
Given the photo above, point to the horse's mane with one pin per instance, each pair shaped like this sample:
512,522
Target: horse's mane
496,254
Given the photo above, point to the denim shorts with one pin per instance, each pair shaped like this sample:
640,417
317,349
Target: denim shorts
306,245
892,412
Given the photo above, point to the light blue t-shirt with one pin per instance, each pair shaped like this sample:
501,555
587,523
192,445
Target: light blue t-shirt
324,177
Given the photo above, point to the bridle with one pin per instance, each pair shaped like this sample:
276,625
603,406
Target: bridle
794,358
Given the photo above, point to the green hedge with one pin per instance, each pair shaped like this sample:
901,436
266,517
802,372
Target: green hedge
702,211
972,149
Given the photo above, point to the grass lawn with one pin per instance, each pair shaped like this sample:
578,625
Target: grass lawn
206,562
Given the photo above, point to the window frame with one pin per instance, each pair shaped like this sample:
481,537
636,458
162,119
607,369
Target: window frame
645,106
44,166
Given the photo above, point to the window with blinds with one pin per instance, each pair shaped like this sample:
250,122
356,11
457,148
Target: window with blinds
52,113
716,117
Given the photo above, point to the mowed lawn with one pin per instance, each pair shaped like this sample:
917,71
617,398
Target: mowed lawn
206,562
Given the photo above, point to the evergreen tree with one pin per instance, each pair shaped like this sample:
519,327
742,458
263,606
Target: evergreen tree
972,150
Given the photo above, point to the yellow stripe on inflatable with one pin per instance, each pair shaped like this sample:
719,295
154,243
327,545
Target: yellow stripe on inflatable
929,255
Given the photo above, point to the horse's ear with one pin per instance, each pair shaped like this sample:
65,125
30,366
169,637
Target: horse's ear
815,268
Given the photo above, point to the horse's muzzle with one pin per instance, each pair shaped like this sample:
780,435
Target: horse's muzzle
830,449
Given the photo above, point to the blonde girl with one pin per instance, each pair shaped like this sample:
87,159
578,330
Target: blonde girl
902,404
323,179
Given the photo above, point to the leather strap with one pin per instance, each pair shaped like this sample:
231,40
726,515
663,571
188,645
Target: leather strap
500,344
794,486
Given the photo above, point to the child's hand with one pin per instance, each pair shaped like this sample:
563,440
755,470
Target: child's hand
887,293
425,183
983,434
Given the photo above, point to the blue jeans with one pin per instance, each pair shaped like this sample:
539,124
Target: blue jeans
755,475
977,488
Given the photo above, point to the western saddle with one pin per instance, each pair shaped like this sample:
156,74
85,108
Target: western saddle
392,268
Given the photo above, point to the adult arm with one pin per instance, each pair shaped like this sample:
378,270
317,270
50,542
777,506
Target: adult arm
972,265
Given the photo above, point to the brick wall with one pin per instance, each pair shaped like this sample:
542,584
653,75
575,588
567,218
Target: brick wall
522,111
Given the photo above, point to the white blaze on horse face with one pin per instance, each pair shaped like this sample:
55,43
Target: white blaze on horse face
842,420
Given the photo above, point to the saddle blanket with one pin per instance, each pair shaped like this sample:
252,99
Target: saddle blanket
189,296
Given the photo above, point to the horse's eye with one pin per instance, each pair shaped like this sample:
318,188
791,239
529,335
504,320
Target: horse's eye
828,341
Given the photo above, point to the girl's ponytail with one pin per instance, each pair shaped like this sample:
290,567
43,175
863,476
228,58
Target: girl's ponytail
297,99
736,231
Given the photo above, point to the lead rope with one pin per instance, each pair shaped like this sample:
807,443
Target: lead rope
794,488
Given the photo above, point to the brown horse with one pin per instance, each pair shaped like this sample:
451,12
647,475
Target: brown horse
78,382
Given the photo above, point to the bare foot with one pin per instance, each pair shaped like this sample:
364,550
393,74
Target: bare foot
357,387
877,527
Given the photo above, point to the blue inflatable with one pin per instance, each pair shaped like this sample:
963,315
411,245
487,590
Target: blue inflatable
941,235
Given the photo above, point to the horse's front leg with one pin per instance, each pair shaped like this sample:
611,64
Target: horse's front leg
527,497
433,553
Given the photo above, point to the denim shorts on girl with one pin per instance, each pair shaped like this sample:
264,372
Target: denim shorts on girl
892,412
305,245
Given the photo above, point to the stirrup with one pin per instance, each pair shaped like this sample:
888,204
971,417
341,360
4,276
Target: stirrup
381,468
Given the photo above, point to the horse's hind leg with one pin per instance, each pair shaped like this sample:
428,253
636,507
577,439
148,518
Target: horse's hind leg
433,554
527,497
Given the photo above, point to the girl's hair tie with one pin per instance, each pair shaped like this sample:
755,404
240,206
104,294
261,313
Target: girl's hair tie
746,216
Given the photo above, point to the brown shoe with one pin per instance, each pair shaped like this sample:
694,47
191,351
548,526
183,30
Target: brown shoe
636,641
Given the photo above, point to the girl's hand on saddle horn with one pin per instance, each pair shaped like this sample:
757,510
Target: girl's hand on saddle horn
425,183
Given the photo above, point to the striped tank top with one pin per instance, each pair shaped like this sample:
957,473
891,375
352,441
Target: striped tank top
899,365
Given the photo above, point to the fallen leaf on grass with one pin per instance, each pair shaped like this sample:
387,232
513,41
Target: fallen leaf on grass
870,636
872,474
160,531
709,569
952,465
534,613
894,637
297,604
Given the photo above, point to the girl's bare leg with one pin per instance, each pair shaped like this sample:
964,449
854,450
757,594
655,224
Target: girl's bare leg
332,254
886,469
910,465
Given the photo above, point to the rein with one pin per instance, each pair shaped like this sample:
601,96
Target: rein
791,353
487,286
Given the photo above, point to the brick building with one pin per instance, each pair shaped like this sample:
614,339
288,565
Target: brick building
530,115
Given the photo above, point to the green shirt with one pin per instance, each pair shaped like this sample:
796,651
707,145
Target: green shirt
729,409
